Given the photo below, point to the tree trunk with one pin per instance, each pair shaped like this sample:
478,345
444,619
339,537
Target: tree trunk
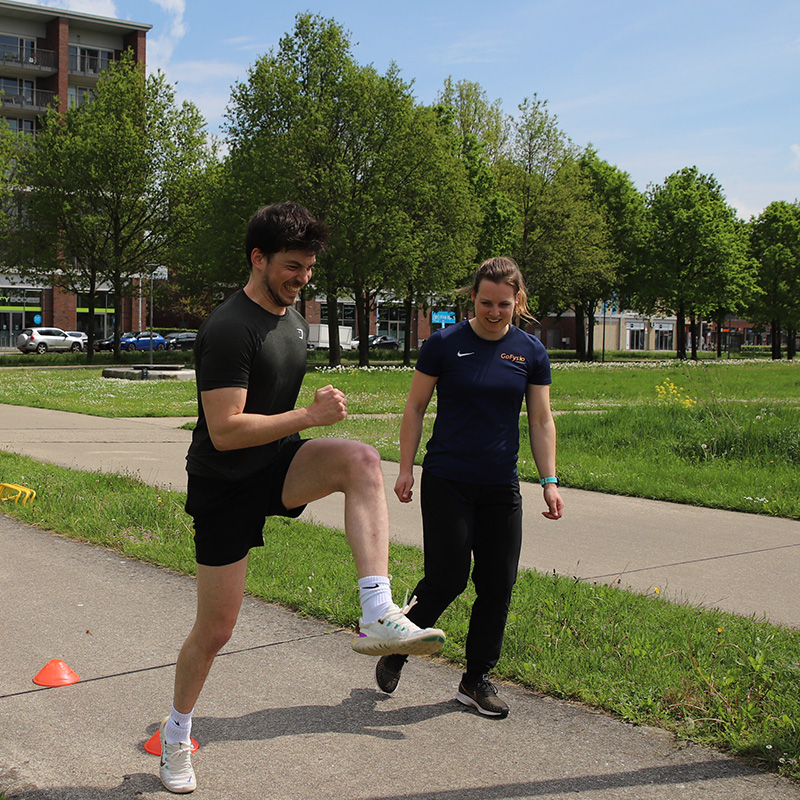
693,329
680,333
719,336
362,319
590,323
580,333
791,343
776,340
408,310
335,349
117,284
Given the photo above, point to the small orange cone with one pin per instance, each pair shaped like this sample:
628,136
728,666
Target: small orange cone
55,673
153,744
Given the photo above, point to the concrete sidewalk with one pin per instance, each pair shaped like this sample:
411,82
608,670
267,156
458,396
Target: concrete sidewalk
291,712
742,563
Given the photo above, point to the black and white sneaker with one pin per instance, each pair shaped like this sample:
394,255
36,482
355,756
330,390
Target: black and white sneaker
387,671
481,694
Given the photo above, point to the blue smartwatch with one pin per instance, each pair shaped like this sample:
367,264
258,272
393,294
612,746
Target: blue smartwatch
545,481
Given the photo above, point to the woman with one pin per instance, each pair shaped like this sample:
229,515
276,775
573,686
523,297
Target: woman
471,506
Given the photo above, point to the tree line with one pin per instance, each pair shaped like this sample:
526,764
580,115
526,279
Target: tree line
415,195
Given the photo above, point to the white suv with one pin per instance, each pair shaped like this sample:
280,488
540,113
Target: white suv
40,340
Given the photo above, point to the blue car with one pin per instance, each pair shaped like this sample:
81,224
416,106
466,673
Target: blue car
142,341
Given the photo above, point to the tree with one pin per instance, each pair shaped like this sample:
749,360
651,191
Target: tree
775,245
623,207
108,187
563,242
475,117
538,149
693,246
482,130
576,264
352,146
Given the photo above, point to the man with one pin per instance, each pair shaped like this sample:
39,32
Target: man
247,461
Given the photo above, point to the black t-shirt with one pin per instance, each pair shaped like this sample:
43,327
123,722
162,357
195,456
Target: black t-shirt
243,345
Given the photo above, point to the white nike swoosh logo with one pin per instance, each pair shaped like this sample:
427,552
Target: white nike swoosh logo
461,355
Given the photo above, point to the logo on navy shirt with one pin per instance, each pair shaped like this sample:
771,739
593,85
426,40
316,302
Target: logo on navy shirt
513,357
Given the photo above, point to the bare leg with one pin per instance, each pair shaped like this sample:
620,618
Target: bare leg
219,597
324,466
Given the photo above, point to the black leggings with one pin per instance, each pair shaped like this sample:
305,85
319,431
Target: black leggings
462,520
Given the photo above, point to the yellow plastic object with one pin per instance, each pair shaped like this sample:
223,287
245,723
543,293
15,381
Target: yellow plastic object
13,491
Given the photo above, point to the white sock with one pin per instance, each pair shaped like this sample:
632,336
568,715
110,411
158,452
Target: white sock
376,597
178,727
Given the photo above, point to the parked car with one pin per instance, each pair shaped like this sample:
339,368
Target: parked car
181,341
82,337
379,341
40,340
108,343
142,341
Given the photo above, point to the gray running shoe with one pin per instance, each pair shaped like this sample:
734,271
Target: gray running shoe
481,695
387,672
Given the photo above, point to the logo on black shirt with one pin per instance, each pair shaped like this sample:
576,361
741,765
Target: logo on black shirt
513,357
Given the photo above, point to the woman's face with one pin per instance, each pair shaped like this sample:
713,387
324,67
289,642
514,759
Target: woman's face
495,305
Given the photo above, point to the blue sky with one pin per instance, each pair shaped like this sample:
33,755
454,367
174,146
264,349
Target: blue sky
655,86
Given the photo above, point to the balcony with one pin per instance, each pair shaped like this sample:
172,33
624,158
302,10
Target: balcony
25,61
30,102
87,67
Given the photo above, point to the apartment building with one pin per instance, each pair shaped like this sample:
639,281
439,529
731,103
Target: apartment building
48,54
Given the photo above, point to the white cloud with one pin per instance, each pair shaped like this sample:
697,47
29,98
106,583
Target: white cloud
100,8
160,48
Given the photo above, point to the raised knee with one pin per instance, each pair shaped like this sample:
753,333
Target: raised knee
365,462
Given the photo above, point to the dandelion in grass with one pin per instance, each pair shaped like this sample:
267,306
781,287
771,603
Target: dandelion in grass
668,394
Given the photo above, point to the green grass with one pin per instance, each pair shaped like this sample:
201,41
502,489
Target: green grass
719,434
716,678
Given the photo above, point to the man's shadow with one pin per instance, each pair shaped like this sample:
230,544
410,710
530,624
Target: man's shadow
357,714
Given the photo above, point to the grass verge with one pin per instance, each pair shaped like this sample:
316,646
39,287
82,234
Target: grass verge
716,678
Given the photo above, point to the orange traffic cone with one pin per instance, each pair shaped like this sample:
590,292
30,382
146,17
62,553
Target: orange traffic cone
55,673
153,744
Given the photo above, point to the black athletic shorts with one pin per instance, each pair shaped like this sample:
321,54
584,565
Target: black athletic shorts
229,516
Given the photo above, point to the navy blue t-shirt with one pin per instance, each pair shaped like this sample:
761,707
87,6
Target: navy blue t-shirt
480,388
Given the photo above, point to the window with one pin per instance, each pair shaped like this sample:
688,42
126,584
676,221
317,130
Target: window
89,59
663,340
78,95
347,313
17,90
635,335
22,125
17,48
391,320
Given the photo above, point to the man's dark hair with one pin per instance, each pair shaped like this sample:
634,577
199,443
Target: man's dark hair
284,226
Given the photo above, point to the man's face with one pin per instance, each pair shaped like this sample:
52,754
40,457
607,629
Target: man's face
284,275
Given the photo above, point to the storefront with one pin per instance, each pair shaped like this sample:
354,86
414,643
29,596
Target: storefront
20,307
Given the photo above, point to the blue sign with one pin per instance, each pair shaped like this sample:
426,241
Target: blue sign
37,319
443,317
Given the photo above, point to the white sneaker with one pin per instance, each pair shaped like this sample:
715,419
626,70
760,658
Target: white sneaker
176,765
395,633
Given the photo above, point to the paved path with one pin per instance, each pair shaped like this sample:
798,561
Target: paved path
742,563
291,712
